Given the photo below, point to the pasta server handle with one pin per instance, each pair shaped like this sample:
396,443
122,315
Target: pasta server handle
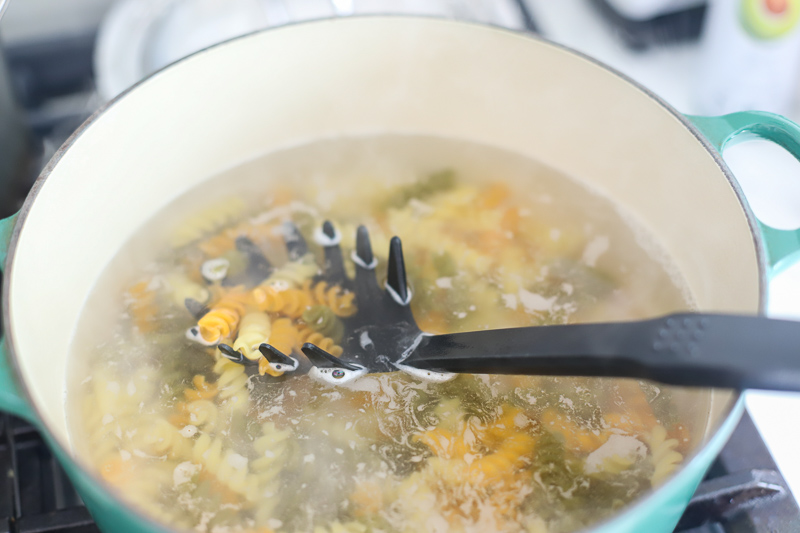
688,349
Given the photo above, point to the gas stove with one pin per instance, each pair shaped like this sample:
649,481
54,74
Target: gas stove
744,491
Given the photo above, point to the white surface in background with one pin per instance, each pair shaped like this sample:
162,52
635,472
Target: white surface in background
138,37
738,71
768,175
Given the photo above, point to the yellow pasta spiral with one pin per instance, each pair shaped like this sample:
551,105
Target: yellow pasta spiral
223,318
340,301
286,302
202,390
293,302
306,334
273,453
294,273
514,451
202,413
232,383
664,456
206,221
230,468
255,329
181,287
159,437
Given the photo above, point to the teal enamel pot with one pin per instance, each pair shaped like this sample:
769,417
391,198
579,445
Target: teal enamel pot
286,86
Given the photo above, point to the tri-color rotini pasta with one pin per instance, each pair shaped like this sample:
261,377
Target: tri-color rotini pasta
294,273
222,320
324,321
293,302
307,334
186,418
203,223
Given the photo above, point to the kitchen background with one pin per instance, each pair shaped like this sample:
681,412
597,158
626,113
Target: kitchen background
65,59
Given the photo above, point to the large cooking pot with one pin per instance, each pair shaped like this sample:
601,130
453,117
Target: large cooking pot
282,87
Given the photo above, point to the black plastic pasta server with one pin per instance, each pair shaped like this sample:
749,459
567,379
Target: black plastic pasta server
687,349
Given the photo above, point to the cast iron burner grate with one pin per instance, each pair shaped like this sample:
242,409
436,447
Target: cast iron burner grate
743,492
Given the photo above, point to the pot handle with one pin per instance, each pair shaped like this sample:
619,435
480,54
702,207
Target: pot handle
11,399
782,246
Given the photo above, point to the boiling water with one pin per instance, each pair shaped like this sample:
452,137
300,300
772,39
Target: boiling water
491,240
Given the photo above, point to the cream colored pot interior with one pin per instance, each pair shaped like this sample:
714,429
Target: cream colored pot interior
239,100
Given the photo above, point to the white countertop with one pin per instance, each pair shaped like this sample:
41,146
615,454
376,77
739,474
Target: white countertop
769,176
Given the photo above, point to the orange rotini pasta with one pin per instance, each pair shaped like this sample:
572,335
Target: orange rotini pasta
287,302
223,318
292,302
340,301
142,306
284,338
202,389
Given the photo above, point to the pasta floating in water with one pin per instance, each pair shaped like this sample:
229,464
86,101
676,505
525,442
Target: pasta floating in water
491,240
324,321
221,321
284,338
232,384
254,330
181,288
294,273
307,334
142,306
287,302
340,302
665,458
208,220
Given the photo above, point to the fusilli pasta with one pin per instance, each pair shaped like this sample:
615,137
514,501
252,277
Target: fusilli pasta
202,389
158,438
181,287
323,320
206,221
232,384
306,334
664,457
294,273
341,302
142,306
272,455
293,302
284,338
254,329
287,302
222,320
230,468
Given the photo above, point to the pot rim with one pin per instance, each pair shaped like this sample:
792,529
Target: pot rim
736,401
